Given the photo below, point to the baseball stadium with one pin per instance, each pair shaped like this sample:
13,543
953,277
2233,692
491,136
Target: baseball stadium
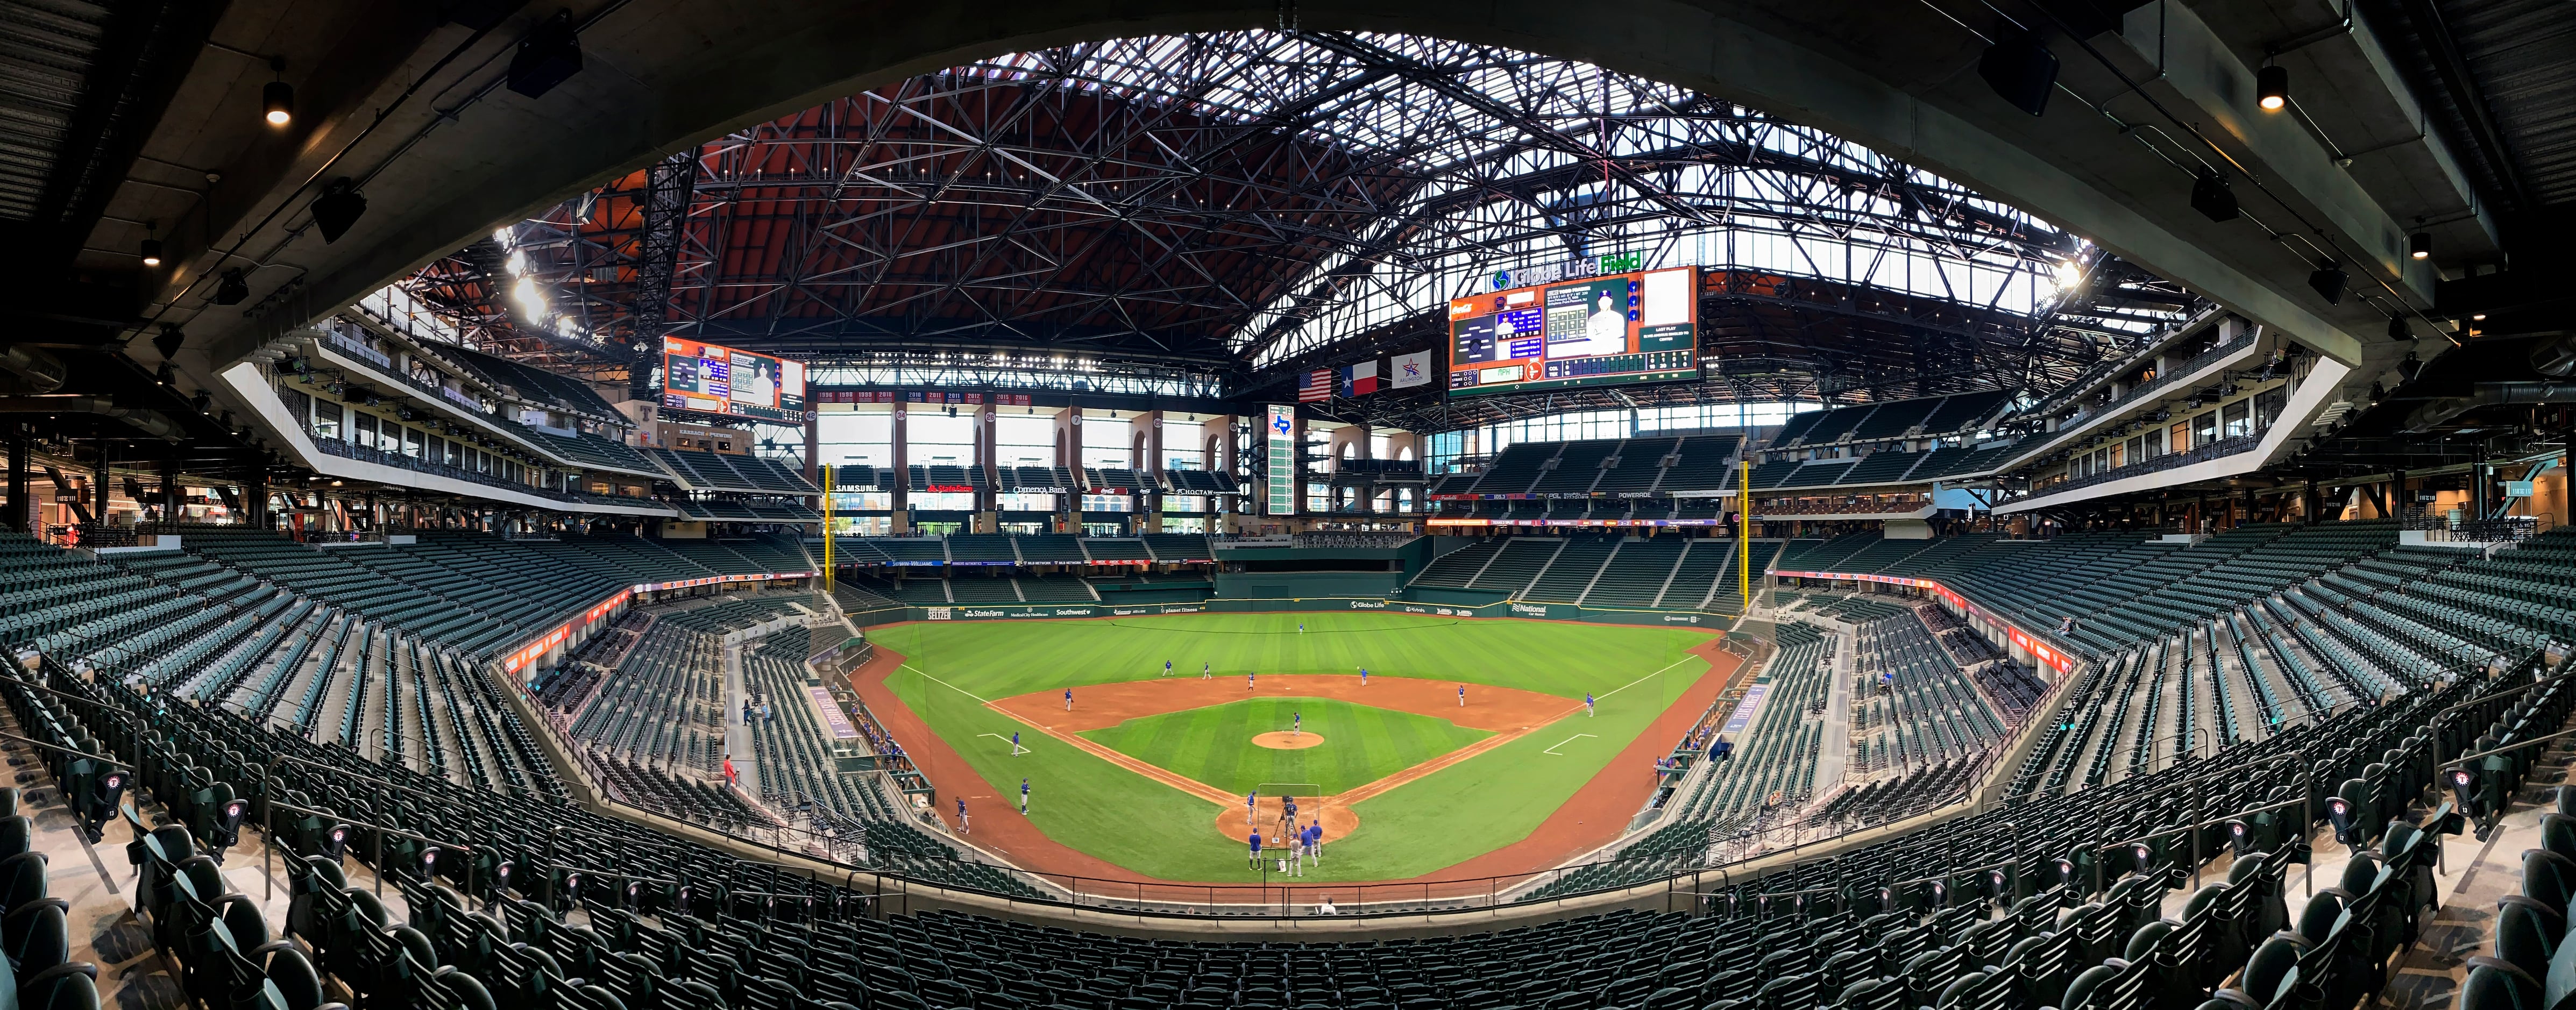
1099,505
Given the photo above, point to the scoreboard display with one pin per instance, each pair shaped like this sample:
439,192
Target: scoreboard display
722,380
1609,330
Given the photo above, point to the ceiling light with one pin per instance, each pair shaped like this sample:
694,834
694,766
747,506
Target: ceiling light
233,289
2328,282
2478,316
336,209
2272,87
2211,196
531,300
277,99
2420,245
2021,70
151,244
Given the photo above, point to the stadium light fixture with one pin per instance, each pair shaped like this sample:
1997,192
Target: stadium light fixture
2328,282
2419,245
234,289
550,54
2272,87
2212,197
2021,70
277,99
337,208
151,244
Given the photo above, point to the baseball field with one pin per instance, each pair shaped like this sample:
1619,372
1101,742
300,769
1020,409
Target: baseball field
1467,751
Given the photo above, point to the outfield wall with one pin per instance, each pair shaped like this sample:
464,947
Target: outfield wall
1526,611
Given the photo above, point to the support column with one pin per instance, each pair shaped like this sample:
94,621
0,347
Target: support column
2398,502
1068,455
1298,474
21,508
173,497
988,502
814,447
255,492
1216,455
1149,489
901,504
102,485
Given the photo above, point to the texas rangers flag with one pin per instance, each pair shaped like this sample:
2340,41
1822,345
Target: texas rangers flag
1413,369
1360,378
1315,386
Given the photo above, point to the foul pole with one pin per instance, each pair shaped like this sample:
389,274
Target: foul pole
1744,531
827,527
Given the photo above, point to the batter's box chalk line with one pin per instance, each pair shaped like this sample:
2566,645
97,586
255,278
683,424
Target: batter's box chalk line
1016,749
1561,743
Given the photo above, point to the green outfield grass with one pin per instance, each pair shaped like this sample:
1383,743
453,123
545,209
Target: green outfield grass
1444,818
1362,743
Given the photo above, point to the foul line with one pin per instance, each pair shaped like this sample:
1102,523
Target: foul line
971,694
1567,740
1614,690
1016,749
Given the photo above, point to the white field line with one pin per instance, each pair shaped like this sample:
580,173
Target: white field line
1561,743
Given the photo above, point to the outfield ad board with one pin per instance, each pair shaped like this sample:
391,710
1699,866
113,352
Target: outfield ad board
1527,611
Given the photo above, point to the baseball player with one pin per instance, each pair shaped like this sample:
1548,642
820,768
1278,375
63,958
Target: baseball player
1024,796
1251,806
961,815
1167,668
1247,679
1296,724
1015,741
1587,704
1462,698
1363,676
1068,698
1256,850
1205,673
1301,627
1296,860
1315,831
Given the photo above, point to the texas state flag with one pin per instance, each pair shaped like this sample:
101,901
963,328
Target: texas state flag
1360,378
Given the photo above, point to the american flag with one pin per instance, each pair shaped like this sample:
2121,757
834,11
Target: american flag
1316,386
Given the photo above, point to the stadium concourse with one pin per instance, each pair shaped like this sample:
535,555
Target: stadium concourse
1314,506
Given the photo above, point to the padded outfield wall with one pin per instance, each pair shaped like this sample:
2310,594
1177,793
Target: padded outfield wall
1508,608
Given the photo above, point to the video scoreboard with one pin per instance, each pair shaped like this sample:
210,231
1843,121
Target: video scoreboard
1608,330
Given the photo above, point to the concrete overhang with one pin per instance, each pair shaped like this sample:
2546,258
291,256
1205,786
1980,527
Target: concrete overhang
663,75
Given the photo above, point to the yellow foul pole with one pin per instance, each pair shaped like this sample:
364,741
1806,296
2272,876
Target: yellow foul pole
827,527
1744,531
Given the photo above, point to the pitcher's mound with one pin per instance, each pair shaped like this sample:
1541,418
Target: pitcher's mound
1283,740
